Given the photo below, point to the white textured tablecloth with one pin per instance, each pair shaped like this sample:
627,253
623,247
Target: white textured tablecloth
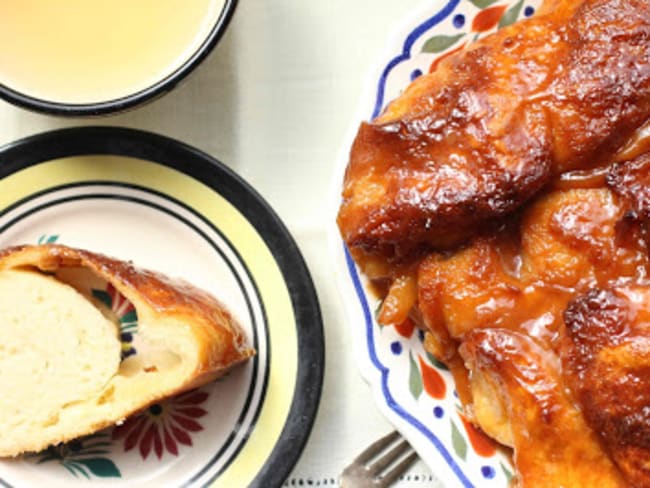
274,102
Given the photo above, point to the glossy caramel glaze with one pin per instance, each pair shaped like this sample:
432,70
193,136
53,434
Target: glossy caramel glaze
631,180
500,301
477,138
521,277
606,362
509,183
221,339
523,388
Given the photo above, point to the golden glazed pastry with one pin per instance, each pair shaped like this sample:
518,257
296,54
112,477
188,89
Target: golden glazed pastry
502,203
61,371
492,125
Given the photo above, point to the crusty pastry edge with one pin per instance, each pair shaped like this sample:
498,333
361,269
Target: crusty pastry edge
221,340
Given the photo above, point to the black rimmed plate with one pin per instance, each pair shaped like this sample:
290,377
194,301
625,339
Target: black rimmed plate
166,206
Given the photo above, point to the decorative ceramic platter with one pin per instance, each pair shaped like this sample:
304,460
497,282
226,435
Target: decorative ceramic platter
168,207
413,390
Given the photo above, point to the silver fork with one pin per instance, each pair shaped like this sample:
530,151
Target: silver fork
380,464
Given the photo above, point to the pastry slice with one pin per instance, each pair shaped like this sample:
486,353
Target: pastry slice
63,369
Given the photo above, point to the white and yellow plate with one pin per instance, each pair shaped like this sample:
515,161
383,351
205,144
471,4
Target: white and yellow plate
165,206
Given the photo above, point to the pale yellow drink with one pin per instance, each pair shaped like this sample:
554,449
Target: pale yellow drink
85,51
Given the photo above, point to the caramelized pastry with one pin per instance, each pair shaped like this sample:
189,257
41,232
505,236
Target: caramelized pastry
607,364
62,373
523,276
473,141
525,405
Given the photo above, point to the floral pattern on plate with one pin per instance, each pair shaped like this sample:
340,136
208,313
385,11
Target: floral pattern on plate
160,429
152,440
411,387
163,426
82,458
125,313
186,215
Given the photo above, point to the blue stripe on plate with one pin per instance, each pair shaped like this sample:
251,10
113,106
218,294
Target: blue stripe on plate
406,51
391,402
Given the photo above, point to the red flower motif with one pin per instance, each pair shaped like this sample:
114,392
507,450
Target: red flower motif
119,304
164,425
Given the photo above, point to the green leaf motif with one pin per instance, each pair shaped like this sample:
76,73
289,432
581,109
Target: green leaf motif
103,297
507,472
438,44
100,467
129,318
432,359
74,457
415,379
74,469
458,442
377,311
45,239
511,16
482,3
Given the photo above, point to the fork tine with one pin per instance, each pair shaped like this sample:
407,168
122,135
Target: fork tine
387,459
395,456
397,470
376,447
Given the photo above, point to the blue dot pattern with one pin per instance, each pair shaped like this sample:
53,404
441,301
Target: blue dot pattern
416,74
529,11
438,412
459,21
396,347
488,472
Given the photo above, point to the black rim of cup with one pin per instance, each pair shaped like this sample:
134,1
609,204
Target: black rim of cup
120,104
